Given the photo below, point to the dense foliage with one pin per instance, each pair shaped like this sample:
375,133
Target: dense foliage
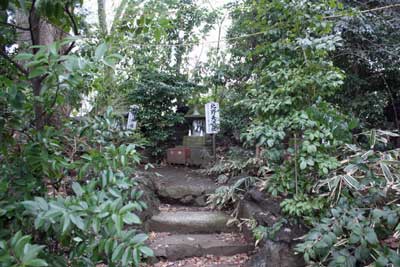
363,224
371,62
162,100
86,224
66,192
287,94
157,37
295,72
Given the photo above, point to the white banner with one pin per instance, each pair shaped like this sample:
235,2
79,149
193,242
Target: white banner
132,122
131,125
212,118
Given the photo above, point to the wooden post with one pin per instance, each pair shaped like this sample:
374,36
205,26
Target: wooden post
214,147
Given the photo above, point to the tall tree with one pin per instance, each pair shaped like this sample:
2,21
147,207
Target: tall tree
38,23
371,59
281,48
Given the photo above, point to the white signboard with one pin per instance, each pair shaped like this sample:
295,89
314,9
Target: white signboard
212,118
131,124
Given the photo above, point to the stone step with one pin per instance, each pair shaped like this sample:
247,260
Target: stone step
186,222
177,247
180,185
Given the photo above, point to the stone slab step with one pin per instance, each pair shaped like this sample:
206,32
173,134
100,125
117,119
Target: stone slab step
181,185
176,247
190,222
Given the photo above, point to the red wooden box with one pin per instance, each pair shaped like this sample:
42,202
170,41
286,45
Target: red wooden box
178,155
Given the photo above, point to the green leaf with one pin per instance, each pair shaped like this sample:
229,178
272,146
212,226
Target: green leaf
387,173
353,124
23,56
270,142
118,222
36,262
95,225
37,72
125,257
352,182
100,51
109,62
42,203
127,207
303,165
109,244
311,149
117,253
351,169
131,218
66,222
381,262
20,245
147,251
136,256
77,220
76,187
31,252
371,237
139,238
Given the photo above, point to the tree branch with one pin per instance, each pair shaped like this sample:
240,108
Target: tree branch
14,26
16,64
366,11
71,17
74,28
31,30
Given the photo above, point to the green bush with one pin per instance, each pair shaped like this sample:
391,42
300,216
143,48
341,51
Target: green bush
91,225
362,227
20,252
88,226
159,96
353,235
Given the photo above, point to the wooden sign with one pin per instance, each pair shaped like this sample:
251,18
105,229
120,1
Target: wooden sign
212,118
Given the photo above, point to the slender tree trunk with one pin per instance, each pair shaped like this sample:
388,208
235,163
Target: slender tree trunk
34,25
179,53
101,11
40,115
41,33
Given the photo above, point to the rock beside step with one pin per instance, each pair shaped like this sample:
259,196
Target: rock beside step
176,247
190,222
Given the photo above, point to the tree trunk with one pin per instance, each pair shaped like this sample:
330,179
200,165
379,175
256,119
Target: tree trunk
38,107
101,12
41,33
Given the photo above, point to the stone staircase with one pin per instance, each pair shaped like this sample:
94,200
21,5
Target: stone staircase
184,229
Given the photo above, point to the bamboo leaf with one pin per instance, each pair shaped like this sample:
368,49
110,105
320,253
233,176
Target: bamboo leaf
386,172
352,182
